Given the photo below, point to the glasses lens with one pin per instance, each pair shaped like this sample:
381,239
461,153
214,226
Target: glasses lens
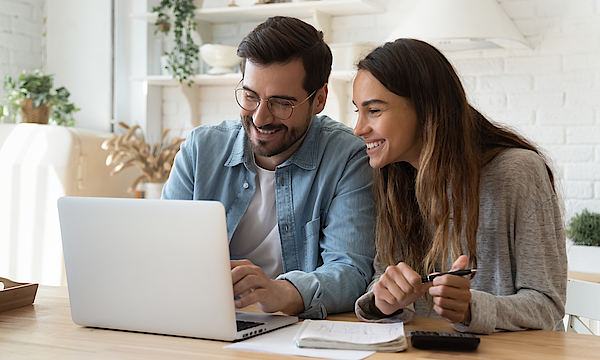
280,108
247,100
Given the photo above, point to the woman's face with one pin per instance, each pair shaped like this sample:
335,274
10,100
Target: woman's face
386,122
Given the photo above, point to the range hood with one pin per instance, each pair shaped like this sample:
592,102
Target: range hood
457,25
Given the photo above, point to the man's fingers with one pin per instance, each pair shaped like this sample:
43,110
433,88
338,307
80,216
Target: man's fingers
252,297
247,279
234,263
243,269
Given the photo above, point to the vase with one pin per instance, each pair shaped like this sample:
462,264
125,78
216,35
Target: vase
584,258
39,115
153,190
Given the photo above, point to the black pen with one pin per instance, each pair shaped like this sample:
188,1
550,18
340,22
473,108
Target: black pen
429,278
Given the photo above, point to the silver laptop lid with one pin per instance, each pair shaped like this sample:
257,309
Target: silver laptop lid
159,266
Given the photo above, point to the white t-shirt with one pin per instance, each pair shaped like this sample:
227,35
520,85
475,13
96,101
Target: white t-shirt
257,235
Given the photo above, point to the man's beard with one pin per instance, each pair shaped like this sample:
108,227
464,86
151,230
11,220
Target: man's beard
268,149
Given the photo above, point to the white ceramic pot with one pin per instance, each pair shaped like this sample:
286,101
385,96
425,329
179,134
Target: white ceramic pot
584,258
221,58
153,190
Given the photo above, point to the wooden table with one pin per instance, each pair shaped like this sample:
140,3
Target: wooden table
584,276
45,331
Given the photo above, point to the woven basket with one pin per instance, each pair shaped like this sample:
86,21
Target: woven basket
39,115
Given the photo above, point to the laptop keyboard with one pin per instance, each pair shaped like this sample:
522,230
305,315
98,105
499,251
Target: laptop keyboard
243,325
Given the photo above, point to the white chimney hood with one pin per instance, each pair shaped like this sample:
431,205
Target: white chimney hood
455,25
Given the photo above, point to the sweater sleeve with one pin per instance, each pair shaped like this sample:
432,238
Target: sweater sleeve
532,272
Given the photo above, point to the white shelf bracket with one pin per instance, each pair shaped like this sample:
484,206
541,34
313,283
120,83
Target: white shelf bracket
322,22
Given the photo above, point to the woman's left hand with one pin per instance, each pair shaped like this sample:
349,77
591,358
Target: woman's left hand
451,294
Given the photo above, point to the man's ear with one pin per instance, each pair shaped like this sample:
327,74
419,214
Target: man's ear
320,99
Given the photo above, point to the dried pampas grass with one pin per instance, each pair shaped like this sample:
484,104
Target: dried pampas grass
128,149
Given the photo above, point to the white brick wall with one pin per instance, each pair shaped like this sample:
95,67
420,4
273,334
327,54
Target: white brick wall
21,37
550,93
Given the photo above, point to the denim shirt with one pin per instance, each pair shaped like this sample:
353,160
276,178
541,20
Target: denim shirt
324,200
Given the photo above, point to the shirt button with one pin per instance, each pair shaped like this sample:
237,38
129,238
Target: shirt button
286,228
246,185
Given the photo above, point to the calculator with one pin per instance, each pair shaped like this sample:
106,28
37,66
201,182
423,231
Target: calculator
430,340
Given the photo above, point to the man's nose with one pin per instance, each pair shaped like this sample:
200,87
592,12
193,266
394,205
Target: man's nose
262,116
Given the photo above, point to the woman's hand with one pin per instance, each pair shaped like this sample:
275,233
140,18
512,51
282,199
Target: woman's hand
451,294
397,288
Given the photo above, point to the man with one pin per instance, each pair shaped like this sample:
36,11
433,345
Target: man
296,187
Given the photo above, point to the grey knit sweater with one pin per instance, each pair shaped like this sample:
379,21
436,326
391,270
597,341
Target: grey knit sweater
522,265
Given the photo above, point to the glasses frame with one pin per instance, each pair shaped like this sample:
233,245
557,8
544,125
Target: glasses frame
269,99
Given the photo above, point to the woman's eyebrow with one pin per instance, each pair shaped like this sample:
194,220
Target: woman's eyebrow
373,101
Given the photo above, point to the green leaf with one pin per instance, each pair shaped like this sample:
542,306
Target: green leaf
62,93
9,83
584,228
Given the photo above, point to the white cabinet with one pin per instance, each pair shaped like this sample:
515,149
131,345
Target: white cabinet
321,12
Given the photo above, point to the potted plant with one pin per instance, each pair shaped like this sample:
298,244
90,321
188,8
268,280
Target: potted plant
33,98
183,59
584,232
130,148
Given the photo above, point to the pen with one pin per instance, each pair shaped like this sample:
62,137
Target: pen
429,278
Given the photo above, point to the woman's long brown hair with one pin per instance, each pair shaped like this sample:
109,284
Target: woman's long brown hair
457,142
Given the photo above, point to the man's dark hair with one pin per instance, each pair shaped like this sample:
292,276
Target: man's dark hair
282,39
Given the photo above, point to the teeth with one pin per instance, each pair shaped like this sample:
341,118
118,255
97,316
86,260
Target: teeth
262,131
373,145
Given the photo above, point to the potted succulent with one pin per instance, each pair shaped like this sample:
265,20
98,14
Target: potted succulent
584,232
130,148
183,59
33,98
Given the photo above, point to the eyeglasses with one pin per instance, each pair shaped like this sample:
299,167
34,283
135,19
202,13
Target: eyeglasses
282,109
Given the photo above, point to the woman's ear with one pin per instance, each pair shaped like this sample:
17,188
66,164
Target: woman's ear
320,99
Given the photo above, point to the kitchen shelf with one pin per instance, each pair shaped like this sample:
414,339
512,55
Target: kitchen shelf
322,13
261,12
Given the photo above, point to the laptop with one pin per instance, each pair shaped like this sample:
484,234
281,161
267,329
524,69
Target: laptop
155,266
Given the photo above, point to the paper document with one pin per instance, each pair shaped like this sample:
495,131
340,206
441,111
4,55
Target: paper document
280,342
351,335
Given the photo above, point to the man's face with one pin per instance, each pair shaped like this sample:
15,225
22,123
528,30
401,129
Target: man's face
274,140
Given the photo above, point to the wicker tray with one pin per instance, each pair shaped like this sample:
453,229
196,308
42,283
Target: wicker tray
15,294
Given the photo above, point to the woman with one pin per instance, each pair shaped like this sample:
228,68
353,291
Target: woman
440,163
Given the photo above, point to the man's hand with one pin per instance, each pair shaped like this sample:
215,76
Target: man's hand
452,295
253,286
397,288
